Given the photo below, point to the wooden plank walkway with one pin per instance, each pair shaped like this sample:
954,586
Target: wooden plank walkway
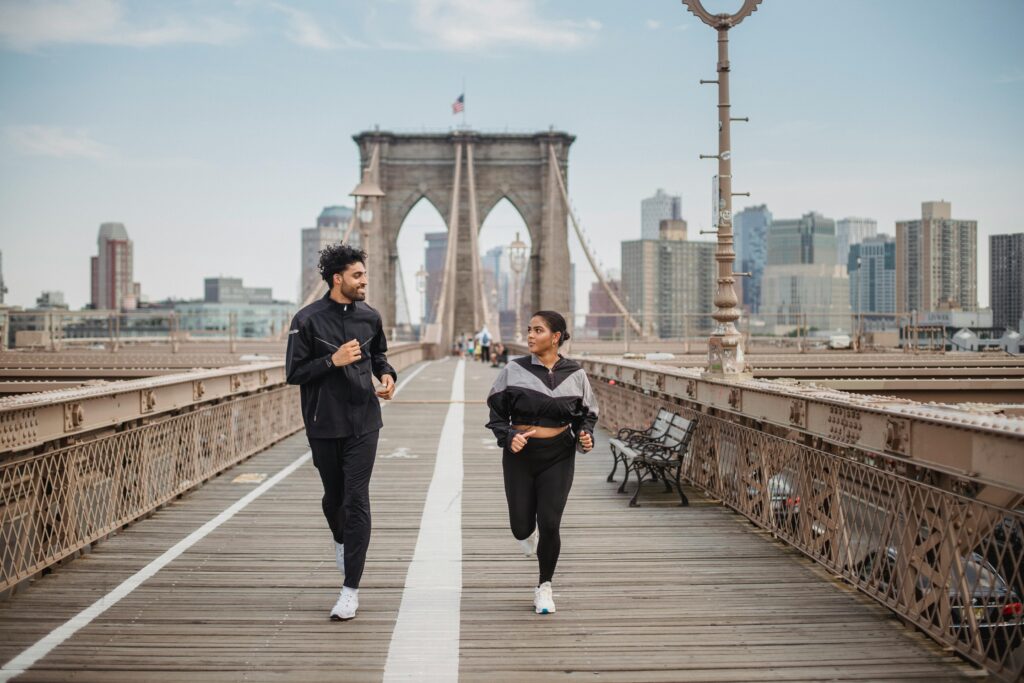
656,593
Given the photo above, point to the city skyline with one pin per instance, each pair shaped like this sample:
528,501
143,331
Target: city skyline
193,138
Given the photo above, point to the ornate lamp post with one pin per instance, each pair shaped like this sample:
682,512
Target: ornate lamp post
725,345
370,193
517,261
421,287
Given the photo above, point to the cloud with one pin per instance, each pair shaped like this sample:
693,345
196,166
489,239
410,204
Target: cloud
55,142
30,24
303,29
481,24
653,24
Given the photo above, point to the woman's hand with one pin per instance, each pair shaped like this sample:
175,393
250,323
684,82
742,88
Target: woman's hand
520,439
586,441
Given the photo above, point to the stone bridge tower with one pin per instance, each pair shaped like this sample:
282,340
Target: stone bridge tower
464,174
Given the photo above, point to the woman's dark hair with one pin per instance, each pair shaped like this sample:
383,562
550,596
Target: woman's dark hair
555,323
335,258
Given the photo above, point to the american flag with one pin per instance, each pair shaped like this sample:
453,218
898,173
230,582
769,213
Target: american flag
459,104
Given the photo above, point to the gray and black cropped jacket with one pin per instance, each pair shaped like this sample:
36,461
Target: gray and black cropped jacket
527,393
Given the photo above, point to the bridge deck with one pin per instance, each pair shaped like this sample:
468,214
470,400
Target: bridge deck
656,593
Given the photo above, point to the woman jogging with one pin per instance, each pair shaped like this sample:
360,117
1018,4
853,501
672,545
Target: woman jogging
542,411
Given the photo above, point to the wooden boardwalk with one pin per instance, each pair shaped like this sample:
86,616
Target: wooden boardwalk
656,593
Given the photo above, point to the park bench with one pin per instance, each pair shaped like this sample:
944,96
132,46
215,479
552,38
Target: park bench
627,438
661,460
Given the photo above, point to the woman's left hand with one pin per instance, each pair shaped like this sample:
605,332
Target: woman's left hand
586,441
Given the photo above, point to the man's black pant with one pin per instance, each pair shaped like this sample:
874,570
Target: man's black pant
345,466
485,353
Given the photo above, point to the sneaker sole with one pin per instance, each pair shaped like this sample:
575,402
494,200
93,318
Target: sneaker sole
335,617
544,611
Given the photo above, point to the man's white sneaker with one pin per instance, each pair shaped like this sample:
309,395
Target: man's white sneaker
346,606
543,602
339,556
529,544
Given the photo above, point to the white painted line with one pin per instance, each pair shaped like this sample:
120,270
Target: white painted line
401,385
33,654
425,642
21,663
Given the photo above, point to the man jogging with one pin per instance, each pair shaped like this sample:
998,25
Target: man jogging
334,344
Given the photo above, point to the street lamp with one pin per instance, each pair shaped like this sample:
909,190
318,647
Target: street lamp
370,193
725,345
517,261
421,287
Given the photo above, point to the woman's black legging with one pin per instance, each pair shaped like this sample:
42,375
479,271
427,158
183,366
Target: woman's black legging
537,483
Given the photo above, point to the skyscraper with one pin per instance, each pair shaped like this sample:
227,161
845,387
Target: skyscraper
112,285
871,265
330,228
654,210
808,239
850,231
802,282
936,261
433,258
665,282
604,319
1006,280
750,228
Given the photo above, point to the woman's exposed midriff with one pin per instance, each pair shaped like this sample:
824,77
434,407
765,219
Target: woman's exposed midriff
542,432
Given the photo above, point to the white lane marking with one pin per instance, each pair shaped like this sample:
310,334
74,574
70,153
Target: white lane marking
21,663
425,642
401,385
44,645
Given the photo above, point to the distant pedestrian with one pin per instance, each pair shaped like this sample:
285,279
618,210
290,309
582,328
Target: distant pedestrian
341,411
485,345
542,410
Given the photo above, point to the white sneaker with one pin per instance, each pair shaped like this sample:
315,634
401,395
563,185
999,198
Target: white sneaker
529,544
339,556
346,606
543,602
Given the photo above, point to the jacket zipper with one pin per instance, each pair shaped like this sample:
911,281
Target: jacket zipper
316,411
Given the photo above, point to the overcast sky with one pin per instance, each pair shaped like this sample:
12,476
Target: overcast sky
215,131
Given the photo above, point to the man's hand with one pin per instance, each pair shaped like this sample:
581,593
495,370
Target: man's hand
520,439
387,389
347,353
586,441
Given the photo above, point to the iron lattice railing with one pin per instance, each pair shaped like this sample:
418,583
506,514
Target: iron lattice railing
947,563
55,503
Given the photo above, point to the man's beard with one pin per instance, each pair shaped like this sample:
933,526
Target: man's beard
353,294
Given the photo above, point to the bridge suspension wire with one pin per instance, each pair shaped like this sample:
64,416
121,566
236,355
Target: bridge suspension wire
445,307
586,248
483,308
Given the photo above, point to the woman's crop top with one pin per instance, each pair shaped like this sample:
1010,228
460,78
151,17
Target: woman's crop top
526,392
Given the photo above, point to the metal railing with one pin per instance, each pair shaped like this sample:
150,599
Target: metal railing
920,539
77,465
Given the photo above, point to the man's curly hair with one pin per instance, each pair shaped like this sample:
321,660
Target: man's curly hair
335,258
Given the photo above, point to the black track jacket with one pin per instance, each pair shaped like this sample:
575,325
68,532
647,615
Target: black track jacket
526,392
337,402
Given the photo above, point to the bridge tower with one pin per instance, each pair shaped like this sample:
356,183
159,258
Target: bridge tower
464,174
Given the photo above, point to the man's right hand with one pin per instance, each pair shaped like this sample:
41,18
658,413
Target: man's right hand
347,353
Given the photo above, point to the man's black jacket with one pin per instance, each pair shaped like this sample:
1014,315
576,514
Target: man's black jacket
337,402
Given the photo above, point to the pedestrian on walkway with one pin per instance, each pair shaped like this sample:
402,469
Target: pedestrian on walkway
485,345
334,345
542,411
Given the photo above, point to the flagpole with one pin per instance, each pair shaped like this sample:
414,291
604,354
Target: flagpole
463,102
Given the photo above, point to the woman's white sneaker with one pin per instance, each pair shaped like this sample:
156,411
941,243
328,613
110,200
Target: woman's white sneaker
347,604
529,544
543,602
